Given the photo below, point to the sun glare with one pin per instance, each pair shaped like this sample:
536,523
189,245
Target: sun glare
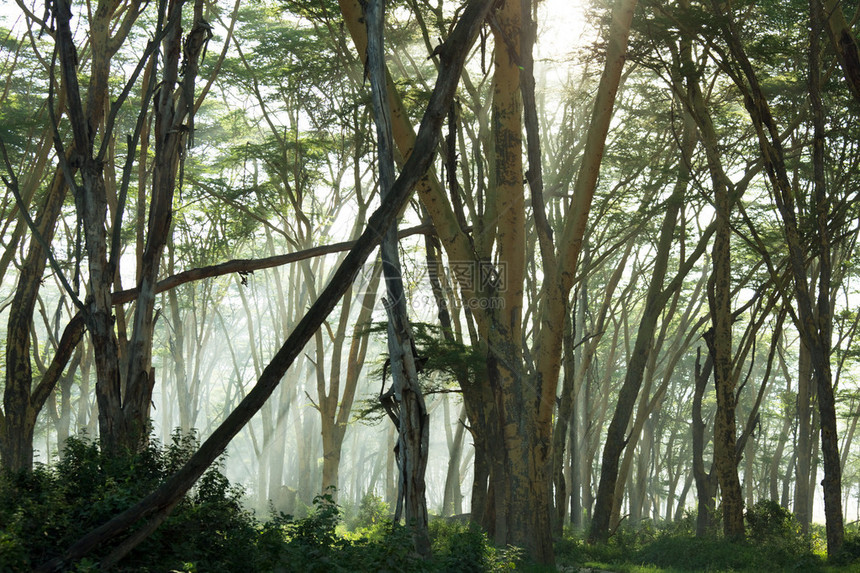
561,28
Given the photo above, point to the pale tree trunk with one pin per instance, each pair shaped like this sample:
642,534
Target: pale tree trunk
173,125
802,492
452,498
516,488
788,415
412,418
459,248
334,427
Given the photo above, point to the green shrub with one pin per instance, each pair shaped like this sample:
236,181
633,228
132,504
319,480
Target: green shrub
44,511
371,511
850,553
768,520
696,554
465,547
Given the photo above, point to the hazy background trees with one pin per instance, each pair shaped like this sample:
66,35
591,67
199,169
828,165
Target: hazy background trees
638,303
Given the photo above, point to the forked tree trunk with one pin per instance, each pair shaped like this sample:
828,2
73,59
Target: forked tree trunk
174,125
158,505
413,421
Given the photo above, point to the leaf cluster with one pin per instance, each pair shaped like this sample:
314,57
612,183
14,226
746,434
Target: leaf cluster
44,511
444,363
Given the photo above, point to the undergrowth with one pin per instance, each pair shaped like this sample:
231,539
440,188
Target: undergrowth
44,511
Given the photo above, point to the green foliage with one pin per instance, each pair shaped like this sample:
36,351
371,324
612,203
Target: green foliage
701,553
371,511
850,549
444,363
774,545
44,511
768,520
464,547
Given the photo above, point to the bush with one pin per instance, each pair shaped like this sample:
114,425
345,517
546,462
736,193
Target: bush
44,511
371,511
465,547
768,520
775,544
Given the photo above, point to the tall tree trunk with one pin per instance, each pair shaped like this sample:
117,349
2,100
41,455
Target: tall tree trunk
412,418
813,318
802,493
655,301
334,427
824,309
174,124
788,411
720,346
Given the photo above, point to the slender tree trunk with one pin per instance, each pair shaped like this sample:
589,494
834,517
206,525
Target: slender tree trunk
158,505
720,346
412,418
334,428
832,482
452,493
802,493
813,318
655,301
788,410
173,125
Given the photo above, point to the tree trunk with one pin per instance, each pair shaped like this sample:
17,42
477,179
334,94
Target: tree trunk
802,493
412,418
452,496
813,319
655,301
174,123
705,481
158,504
720,346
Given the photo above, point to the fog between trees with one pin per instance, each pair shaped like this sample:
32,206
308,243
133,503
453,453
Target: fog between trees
626,264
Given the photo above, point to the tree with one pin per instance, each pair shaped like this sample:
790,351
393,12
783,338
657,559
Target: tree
158,505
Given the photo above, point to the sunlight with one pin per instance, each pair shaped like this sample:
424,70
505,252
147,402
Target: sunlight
561,29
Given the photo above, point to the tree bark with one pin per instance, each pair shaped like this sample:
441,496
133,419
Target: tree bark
160,502
174,124
413,421
813,319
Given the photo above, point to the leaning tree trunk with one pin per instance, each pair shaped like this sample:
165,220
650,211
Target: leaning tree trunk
158,505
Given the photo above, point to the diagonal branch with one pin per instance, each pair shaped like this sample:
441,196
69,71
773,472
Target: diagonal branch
159,503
